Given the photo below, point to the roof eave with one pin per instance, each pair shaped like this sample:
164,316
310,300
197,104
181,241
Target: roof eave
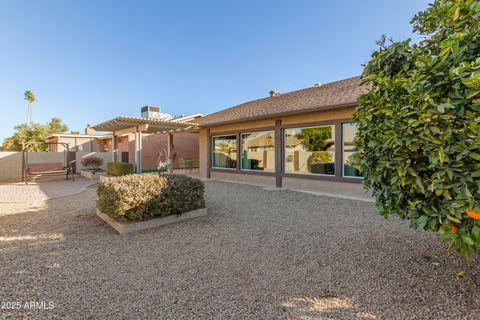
280,114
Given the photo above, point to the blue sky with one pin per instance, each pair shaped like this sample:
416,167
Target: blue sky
90,61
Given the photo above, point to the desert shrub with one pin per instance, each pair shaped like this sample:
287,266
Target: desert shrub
145,196
92,162
119,168
419,126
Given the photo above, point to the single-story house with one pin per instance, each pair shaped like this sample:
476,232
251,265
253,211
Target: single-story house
290,140
286,139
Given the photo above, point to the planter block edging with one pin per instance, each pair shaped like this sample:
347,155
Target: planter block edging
129,227
89,175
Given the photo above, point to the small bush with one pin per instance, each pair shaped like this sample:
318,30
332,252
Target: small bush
145,196
119,168
92,162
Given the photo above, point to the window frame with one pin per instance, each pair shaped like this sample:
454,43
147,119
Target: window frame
343,154
240,156
213,149
284,151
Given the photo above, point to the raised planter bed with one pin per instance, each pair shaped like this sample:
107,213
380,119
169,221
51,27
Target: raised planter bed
89,174
129,227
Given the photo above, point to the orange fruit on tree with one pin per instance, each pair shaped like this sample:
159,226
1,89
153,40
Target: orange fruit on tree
453,228
473,214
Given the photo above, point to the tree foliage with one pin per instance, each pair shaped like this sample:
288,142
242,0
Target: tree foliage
30,97
315,139
36,132
419,126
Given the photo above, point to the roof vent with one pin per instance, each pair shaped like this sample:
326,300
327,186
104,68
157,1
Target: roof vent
273,93
317,84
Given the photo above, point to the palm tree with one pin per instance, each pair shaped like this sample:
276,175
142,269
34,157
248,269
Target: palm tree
30,98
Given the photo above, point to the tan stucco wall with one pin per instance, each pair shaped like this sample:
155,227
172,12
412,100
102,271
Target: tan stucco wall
337,114
11,163
203,152
10,166
330,187
106,156
243,125
185,146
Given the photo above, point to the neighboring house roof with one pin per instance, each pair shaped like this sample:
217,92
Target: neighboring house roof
72,135
328,96
188,118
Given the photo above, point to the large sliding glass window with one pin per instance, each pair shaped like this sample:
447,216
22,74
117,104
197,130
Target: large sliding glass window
349,130
224,152
310,150
258,151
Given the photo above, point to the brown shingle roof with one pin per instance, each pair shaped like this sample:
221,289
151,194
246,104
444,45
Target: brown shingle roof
328,96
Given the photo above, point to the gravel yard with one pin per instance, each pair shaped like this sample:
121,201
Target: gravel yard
257,255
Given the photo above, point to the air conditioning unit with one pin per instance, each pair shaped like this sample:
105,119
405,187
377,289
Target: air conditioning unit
153,112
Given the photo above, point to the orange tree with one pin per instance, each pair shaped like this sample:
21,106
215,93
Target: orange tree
419,125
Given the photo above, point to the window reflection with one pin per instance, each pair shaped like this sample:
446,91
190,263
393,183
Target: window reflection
348,134
225,152
258,151
310,150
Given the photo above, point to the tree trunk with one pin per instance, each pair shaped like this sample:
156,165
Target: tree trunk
29,114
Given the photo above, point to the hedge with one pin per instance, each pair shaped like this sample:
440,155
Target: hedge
119,168
145,196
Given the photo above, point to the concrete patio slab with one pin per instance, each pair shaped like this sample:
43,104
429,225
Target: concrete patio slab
41,191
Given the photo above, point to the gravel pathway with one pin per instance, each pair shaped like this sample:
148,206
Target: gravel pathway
257,255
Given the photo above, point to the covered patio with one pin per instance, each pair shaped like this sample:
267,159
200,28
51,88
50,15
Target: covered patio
139,126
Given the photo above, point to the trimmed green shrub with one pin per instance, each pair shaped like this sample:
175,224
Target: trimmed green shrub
145,196
419,126
119,168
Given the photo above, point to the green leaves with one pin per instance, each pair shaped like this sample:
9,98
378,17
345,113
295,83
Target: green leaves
441,155
419,126
443,107
36,132
145,196
474,155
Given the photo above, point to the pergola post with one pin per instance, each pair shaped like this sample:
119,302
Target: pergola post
114,146
138,150
170,151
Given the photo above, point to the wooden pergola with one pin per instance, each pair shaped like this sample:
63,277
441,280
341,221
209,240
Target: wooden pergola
126,125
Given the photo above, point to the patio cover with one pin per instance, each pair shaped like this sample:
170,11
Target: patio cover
125,125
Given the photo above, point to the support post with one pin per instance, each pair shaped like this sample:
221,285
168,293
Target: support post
278,153
140,148
338,150
138,151
170,151
209,154
114,146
